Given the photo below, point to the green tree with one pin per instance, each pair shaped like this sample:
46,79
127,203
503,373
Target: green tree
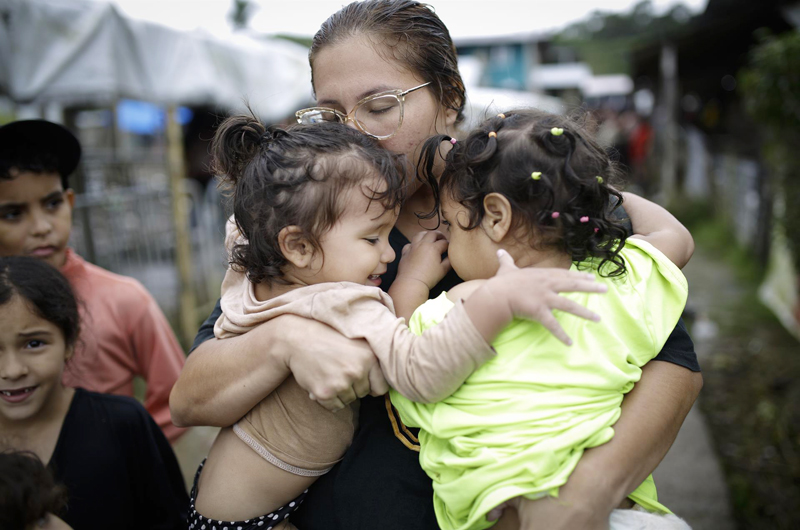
770,85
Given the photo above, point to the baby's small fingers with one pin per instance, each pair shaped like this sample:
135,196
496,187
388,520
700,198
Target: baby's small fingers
439,235
570,306
420,236
583,285
550,322
446,265
441,246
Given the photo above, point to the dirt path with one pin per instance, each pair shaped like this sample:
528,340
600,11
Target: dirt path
690,480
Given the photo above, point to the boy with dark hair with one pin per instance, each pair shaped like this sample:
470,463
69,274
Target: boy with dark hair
124,332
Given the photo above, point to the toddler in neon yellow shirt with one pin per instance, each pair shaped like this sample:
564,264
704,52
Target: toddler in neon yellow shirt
538,187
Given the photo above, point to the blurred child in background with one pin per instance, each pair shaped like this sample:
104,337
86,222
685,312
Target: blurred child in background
117,466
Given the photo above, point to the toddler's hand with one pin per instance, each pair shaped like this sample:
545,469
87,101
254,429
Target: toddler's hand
533,293
421,259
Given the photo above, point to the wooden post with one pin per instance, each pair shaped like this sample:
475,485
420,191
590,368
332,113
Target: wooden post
180,218
669,90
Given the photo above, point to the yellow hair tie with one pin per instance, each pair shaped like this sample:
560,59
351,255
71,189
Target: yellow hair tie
536,175
599,180
556,131
501,116
492,134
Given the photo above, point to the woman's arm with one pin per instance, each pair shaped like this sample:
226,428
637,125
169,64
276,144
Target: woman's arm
652,415
658,227
223,379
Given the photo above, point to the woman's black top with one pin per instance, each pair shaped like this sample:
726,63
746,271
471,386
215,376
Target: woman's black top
119,469
379,483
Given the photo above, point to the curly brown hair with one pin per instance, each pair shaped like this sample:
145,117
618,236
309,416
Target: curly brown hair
296,177
540,173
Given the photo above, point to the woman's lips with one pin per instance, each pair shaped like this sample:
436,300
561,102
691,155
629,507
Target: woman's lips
17,395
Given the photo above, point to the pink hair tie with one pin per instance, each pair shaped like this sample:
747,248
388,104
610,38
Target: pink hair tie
555,215
585,219
453,141
596,230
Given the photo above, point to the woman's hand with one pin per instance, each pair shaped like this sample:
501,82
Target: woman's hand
421,260
548,513
223,379
333,369
534,293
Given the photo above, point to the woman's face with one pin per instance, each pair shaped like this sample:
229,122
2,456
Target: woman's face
348,71
32,357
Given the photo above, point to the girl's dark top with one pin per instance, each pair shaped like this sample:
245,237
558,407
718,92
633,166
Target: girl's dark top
119,469
379,483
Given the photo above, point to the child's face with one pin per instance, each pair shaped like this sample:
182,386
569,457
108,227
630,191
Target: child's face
357,248
32,357
472,254
35,217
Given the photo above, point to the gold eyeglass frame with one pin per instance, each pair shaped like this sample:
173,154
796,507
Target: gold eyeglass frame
344,118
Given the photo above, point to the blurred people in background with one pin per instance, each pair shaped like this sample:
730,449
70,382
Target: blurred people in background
126,334
117,466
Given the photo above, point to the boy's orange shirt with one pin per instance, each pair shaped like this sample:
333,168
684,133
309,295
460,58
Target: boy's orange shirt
123,334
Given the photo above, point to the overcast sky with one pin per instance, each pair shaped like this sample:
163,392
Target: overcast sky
464,18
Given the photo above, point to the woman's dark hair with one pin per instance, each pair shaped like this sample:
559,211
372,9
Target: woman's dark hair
412,33
27,491
543,164
45,290
296,176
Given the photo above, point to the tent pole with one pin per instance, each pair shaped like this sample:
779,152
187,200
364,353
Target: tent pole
180,216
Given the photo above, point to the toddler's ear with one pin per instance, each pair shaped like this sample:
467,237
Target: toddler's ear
497,218
295,247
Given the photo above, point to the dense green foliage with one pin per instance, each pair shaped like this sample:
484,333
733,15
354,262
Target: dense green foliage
770,85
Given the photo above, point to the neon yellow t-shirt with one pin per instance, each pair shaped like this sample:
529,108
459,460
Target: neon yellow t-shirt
520,423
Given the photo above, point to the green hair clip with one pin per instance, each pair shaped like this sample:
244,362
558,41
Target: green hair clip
536,175
556,131
599,179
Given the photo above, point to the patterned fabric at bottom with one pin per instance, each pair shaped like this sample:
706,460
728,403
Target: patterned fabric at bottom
270,521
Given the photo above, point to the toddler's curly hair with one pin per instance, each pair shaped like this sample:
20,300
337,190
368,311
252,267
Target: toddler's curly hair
555,176
297,176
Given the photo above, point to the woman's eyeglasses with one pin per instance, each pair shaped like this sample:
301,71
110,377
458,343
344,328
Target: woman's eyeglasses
378,115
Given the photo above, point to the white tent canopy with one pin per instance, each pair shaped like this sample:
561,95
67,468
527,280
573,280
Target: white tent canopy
78,52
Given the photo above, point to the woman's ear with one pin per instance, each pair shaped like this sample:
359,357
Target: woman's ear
70,351
497,217
295,247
